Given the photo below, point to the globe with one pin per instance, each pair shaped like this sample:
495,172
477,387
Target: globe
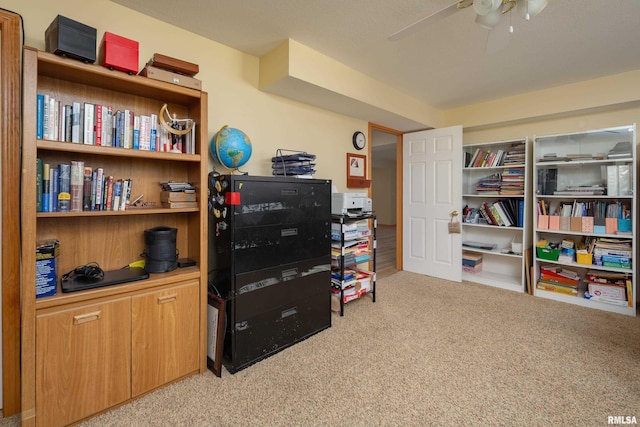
230,147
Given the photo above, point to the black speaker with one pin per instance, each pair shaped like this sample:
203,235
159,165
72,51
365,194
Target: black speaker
66,37
160,253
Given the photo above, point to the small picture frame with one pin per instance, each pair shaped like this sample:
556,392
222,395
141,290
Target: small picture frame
215,333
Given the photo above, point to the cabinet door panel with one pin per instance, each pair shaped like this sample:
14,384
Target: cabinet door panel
82,361
165,332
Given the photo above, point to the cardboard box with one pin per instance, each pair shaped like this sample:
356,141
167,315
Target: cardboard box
171,77
66,37
47,252
119,53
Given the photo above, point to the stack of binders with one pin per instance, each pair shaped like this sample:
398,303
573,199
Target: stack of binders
299,164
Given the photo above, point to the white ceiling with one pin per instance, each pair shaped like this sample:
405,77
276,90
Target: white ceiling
444,63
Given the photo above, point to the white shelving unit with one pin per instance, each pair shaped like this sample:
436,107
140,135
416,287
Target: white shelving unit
507,160
583,171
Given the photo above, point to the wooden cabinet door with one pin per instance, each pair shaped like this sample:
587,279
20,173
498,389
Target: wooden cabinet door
165,333
83,359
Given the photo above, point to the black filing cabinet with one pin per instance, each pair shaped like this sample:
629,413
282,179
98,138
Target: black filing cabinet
270,260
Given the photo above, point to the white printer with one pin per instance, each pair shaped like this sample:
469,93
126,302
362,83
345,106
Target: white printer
352,204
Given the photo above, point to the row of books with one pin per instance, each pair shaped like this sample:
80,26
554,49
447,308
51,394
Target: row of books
558,279
609,287
603,286
502,212
593,208
510,182
95,124
485,158
75,187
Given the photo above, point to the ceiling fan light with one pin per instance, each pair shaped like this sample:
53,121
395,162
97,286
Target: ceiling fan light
485,7
530,8
490,20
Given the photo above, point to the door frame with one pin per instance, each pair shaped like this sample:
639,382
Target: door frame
398,134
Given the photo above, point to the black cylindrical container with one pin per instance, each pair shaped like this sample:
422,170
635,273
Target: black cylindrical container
160,253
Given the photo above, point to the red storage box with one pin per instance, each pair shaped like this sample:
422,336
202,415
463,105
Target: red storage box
119,53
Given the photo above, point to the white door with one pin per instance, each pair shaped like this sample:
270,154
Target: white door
432,190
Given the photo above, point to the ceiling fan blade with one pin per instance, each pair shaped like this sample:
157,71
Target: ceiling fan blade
412,28
498,38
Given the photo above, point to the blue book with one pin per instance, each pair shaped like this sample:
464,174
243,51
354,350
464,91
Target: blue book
46,188
520,213
40,116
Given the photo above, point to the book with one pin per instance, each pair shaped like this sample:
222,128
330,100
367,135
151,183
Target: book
39,115
99,188
136,133
117,193
89,121
46,188
76,185
108,204
557,288
39,170
127,196
55,189
177,196
98,125
86,188
153,133
145,132
75,122
173,205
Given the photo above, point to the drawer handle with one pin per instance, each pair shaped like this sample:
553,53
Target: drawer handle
288,232
289,312
289,192
167,298
88,317
289,273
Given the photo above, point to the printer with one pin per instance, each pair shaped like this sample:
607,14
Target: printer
351,204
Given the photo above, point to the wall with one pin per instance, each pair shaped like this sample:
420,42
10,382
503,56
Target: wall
624,115
229,76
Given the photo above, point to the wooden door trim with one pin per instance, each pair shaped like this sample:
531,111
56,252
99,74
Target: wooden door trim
398,134
10,141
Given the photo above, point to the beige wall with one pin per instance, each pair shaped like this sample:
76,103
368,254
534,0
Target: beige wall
229,76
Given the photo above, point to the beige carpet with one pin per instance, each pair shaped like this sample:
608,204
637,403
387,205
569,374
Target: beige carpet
428,352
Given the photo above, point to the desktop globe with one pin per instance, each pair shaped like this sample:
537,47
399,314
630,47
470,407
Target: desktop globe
230,147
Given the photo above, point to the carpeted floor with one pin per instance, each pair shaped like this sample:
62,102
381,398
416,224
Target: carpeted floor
428,352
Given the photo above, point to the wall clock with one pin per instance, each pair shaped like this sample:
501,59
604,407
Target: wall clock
359,140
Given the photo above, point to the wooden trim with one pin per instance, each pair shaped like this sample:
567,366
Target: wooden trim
10,29
398,134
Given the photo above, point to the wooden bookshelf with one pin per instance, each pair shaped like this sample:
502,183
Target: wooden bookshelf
134,337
